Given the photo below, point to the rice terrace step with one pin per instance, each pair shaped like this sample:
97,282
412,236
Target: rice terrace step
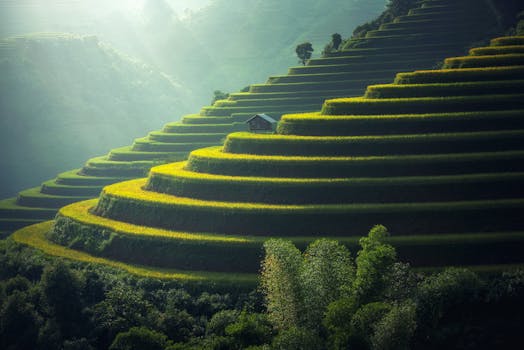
438,163
360,62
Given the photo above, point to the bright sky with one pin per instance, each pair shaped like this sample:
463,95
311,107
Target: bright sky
20,16
178,5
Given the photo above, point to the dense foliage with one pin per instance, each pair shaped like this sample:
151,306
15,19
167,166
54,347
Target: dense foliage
322,298
503,11
47,304
394,8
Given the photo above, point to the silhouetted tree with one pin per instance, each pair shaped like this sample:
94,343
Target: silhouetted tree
304,51
219,95
336,40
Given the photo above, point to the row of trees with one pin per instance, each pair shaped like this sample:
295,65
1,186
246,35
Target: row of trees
52,304
322,298
305,49
325,299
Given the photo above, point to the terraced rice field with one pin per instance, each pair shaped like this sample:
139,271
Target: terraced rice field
440,164
409,42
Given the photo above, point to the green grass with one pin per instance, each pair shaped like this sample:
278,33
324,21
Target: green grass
72,178
291,102
412,49
453,15
34,236
174,179
102,166
408,40
433,9
461,75
226,111
53,188
444,29
497,50
426,143
508,40
10,225
10,209
306,87
484,61
128,202
413,25
367,66
128,154
103,237
325,125
360,76
33,197
203,128
212,160
241,96
147,145
368,106
198,119
414,55
159,136
445,89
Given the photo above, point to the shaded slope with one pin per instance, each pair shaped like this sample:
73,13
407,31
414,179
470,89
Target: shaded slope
65,98
374,59
449,187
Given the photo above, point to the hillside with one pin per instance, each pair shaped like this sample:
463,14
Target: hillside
224,45
256,33
435,156
376,58
65,98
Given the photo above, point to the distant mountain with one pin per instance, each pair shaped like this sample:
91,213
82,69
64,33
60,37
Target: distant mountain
66,98
219,44
72,97
251,39
231,43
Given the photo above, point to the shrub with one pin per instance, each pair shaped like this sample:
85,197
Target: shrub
395,330
250,329
139,338
296,338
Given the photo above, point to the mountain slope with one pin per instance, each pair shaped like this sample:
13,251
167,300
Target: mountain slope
374,59
65,98
437,157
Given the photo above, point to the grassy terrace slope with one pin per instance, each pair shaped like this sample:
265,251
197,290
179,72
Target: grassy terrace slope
449,188
408,42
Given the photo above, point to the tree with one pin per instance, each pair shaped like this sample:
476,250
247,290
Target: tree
139,338
304,51
336,40
250,329
219,95
176,324
327,274
61,290
374,264
444,302
297,339
18,323
218,323
123,308
395,330
399,7
281,283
